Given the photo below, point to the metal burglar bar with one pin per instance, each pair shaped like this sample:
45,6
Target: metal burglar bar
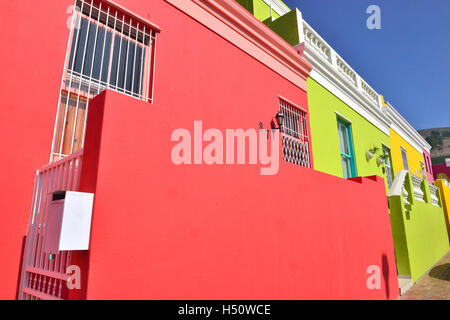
44,277
294,135
107,49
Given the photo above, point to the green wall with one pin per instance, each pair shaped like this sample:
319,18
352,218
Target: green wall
287,27
258,8
262,10
419,232
247,4
323,106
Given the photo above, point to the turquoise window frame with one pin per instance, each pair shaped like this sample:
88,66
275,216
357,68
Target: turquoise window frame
349,141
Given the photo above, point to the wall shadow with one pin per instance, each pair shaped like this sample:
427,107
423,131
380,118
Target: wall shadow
385,266
19,277
441,272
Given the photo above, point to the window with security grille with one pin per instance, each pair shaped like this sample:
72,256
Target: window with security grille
108,49
294,134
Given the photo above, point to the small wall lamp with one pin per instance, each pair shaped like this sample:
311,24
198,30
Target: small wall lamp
280,119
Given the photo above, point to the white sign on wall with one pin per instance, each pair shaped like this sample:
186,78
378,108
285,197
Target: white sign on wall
69,222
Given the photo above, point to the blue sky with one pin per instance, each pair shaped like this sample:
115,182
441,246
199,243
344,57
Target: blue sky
408,60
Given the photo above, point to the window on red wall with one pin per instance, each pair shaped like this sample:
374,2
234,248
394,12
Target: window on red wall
108,48
111,49
294,134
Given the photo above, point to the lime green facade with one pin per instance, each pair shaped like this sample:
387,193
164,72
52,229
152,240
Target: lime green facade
324,111
419,231
286,27
259,9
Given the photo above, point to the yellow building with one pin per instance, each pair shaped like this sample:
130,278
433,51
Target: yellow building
407,146
405,156
416,206
444,186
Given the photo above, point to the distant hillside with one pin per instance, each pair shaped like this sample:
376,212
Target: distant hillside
439,138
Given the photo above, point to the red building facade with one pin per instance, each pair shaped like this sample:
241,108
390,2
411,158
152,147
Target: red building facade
162,230
442,168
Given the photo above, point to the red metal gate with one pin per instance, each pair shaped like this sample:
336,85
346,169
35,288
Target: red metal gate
44,277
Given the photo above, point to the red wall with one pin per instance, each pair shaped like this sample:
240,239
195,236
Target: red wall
440,168
33,45
162,231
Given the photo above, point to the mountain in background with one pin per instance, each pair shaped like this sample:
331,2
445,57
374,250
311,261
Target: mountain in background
439,138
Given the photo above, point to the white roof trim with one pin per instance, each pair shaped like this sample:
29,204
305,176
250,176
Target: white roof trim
405,130
337,76
330,79
347,88
277,6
